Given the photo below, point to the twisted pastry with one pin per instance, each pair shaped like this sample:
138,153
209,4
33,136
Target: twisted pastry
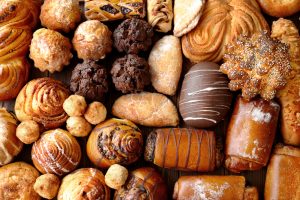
56,152
221,22
85,183
42,100
115,141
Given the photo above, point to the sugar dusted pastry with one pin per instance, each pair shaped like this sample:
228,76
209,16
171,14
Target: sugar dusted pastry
78,126
50,50
28,131
165,61
47,186
116,176
147,109
75,105
95,113
60,15
92,40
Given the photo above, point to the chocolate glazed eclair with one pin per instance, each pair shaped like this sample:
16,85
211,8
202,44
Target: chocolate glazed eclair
184,149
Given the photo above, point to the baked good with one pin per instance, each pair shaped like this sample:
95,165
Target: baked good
74,105
10,145
47,186
280,8
221,22
60,15
205,98
183,149
78,126
61,147
116,176
147,109
258,65
143,183
28,131
115,141
95,113
92,40
132,36
17,181
50,50
89,79
165,61
213,187
250,134
283,174
130,73
186,15
85,183
160,15
42,100
18,18
109,10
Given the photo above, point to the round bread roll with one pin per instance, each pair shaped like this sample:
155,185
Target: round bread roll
116,176
47,186
75,105
17,181
282,8
28,131
82,184
78,126
95,113
56,152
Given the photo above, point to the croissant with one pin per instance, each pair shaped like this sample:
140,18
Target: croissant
143,183
10,145
183,149
42,100
85,183
56,152
115,141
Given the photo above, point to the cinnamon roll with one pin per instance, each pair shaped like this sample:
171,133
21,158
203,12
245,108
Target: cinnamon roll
56,152
42,100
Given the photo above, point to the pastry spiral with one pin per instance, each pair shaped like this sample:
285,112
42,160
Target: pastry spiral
56,152
115,141
42,100
221,22
85,183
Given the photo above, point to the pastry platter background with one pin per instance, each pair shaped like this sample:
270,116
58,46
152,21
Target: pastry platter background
254,178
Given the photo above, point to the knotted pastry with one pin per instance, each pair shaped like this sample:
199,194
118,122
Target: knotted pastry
115,141
183,149
56,152
42,100
213,188
221,22
109,10
257,65
84,184
10,145
143,183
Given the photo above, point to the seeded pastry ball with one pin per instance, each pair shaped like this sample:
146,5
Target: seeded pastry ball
47,186
133,35
95,113
116,176
130,74
78,126
75,105
28,131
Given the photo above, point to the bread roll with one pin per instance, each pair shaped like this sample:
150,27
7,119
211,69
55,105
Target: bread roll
56,152
283,174
282,8
143,183
250,134
183,149
47,186
114,141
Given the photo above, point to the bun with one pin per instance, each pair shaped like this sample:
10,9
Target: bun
61,147
42,100
47,186
281,8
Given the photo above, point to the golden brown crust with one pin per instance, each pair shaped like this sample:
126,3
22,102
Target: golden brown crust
282,8
116,176
251,193
47,186
95,113
78,126
75,105
17,181
28,131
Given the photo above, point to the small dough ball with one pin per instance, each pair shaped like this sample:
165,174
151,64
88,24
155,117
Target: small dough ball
95,113
116,176
75,105
28,131
78,126
47,186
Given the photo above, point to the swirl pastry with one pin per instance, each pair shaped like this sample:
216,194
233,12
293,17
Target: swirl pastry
115,141
42,100
221,22
143,183
56,152
85,183
10,145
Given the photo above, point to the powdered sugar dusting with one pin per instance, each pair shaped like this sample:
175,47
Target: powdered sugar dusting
260,116
209,191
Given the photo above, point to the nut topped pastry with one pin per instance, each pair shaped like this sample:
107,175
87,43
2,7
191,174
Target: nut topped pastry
257,65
